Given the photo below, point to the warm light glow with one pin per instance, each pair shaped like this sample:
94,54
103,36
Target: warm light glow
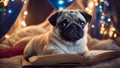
110,33
115,35
90,11
105,32
87,9
25,1
93,26
23,23
25,12
91,4
7,36
96,4
102,29
101,0
95,0
5,2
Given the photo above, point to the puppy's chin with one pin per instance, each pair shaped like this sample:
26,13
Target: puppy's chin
72,34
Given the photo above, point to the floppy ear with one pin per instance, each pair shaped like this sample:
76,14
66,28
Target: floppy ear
87,16
53,18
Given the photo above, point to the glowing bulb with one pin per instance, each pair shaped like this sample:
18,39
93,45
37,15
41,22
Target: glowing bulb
25,1
105,32
25,12
91,4
7,36
23,23
100,6
110,33
96,4
103,17
5,2
69,0
95,0
60,2
86,8
101,0
90,11
93,26
9,11
115,35
12,0
109,20
61,8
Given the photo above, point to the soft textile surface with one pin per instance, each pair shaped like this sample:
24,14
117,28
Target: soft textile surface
11,62
13,51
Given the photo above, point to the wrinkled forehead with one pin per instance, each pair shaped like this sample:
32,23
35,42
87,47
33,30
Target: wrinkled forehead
71,15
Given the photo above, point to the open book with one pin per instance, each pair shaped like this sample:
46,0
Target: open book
89,58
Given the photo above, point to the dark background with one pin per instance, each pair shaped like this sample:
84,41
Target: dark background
38,10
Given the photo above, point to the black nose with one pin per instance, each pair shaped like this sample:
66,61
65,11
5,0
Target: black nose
74,27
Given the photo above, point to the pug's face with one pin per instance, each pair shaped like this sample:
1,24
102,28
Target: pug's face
71,23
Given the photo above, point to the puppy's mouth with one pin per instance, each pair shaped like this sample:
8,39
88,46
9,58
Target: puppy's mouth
72,33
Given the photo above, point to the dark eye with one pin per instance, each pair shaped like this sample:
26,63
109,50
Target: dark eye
63,24
82,23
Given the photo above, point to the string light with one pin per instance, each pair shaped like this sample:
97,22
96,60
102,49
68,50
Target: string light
60,2
91,4
23,23
102,29
25,13
109,20
115,35
87,9
61,8
5,2
102,17
9,11
92,26
12,0
70,0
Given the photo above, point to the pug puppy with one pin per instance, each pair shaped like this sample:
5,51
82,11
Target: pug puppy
67,36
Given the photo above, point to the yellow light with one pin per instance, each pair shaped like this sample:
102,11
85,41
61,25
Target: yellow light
102,29
87,9
115,35
110,33
96,4
105,32
95,0
5,2
25,12
101,0
25,1
91,4
23,23
7,36
90,11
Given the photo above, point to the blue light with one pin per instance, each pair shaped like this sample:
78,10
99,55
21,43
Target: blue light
100,6
60,2
61,8
9,11
70,0
12,0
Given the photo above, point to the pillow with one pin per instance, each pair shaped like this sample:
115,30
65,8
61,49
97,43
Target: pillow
12,51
